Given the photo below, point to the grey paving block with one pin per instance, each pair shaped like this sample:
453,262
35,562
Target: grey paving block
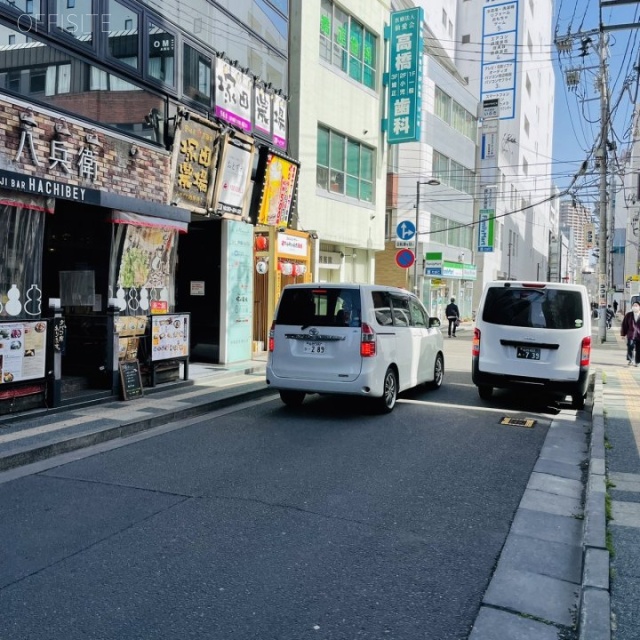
596,569
533,594
553,559
551,503
547,526
492,624
595,522
558,485
558,468
595,615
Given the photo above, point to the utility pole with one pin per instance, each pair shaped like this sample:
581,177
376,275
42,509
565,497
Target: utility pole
601,155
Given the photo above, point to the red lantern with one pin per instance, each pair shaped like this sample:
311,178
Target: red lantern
261,243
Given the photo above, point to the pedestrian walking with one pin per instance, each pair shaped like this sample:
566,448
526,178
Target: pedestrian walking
615,306
453,316
631,330
610,316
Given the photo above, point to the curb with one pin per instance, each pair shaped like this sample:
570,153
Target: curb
595,600
225,398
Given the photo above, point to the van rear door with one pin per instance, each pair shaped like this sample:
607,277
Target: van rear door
317,334
534,332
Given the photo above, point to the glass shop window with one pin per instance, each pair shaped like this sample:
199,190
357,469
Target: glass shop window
196,76
124,35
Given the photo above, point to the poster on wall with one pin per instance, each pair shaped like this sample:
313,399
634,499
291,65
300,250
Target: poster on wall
170,336
22,351
195,156
234,177
279,181
236,322
147,257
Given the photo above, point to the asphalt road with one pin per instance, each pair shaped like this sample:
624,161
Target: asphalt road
324,522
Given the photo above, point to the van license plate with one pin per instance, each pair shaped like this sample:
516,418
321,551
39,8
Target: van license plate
314,347
528,353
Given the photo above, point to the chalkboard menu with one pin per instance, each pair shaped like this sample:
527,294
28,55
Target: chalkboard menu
130,379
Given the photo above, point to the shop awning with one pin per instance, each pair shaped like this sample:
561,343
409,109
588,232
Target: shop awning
138,220
26,201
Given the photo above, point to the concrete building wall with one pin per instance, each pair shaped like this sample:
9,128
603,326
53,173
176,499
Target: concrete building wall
321,94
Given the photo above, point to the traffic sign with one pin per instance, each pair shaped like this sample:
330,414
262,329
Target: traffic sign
406,230
405,258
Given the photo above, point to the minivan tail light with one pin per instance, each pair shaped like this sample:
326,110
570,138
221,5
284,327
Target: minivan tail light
585,352
367,341
475,345
272,340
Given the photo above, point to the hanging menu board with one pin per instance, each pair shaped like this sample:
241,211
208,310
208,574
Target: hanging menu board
169,336
130,379
22,351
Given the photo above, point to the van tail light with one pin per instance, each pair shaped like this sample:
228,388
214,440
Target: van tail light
272,340
475,345
585,352
367,341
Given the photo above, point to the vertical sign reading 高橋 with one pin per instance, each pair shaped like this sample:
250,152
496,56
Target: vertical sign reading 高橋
405,76
499,47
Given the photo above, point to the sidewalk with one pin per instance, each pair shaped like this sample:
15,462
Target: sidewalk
620,415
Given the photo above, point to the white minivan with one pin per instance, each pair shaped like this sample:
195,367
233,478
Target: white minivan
359,339
533,335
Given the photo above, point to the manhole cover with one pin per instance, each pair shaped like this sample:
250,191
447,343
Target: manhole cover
518,422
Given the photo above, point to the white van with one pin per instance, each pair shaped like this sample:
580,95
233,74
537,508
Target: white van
533,335
358,339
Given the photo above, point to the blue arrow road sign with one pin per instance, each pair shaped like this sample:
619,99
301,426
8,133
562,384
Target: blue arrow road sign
406,230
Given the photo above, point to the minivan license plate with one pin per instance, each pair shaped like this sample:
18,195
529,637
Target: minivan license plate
528,353
314,347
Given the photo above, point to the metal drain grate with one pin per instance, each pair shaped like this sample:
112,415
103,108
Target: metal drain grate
518,422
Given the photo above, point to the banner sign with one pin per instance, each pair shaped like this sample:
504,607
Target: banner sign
234,177
278,189
486,230
233,95
405,75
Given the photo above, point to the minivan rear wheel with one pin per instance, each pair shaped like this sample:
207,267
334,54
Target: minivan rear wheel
577,401
485,391
292,398
386,403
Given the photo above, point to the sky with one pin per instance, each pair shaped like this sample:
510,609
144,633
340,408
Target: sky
577,111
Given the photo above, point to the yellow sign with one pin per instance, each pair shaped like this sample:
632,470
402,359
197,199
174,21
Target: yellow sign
278,191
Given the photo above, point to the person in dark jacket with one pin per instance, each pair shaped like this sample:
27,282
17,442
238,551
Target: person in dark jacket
631,330
453,316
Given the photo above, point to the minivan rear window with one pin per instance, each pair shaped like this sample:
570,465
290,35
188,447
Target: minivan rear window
547,308
321,307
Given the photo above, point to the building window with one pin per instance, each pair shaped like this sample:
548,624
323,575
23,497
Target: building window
443,105
196,76
28,7
37,80
344,166
526,125
466,39
528,85
77,22
123,36
525,167
347,44
12,39
455,114
438,229
161,63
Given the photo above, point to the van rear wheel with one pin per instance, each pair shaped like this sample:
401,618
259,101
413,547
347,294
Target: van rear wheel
485,391
386,403
577,401
292,398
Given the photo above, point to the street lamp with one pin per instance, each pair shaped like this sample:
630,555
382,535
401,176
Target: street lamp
434,182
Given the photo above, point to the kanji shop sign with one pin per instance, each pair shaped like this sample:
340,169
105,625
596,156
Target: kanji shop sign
405,75
65,158
194,159
233,95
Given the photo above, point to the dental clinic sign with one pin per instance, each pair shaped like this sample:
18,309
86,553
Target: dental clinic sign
405,75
